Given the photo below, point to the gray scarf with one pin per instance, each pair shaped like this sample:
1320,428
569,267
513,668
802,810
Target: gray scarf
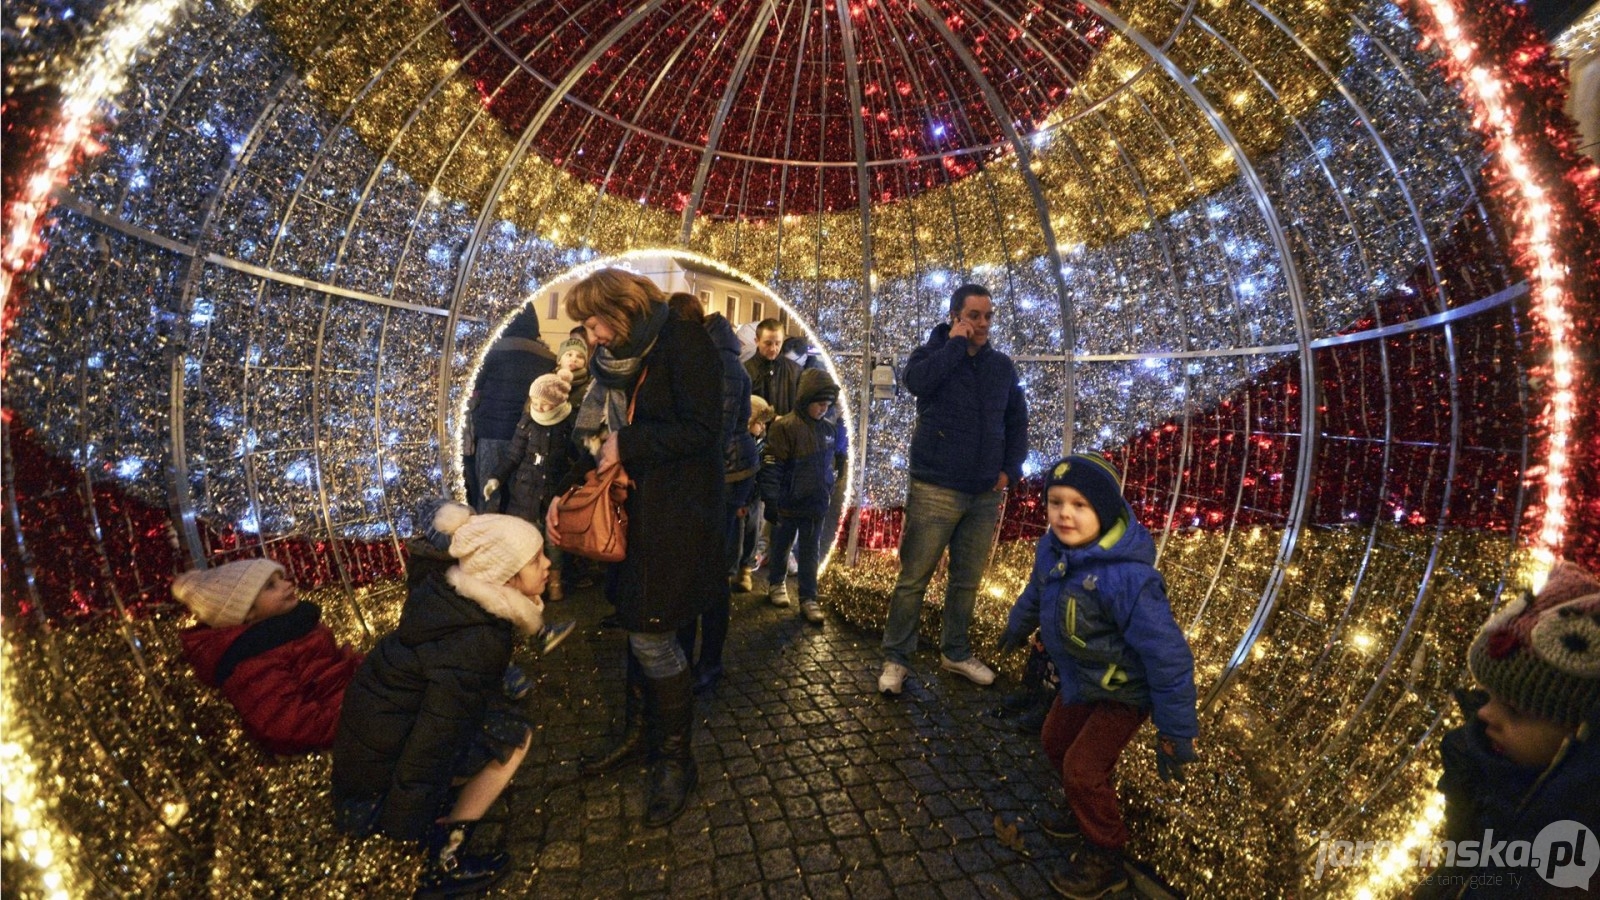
614,375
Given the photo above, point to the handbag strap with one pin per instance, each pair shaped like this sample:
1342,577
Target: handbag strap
634,400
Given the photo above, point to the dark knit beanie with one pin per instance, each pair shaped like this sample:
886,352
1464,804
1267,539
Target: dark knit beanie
427,522
1541,654
1093,476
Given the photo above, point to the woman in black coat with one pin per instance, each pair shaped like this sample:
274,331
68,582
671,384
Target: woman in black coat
655,407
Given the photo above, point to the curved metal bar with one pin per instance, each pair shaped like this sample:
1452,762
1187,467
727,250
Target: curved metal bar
852,73
491,199
741,65
1296,293
1024,154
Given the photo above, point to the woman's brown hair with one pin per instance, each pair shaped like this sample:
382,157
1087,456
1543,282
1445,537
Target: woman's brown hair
687,307
615,297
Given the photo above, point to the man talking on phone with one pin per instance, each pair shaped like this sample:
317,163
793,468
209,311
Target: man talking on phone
970,440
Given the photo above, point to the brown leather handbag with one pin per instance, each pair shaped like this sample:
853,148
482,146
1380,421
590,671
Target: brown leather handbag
592,521
590,518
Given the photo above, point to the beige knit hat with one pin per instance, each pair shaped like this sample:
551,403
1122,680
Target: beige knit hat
222,597
492,547
1541,653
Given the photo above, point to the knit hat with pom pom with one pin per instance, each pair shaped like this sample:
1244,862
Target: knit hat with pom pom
1541,654
222,597
491,547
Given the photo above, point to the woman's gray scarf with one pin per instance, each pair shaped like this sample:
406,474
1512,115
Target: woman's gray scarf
613,375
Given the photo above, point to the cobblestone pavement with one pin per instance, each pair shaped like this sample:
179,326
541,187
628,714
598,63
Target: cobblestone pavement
811,783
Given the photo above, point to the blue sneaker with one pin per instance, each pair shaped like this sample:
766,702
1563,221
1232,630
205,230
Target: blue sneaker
553,635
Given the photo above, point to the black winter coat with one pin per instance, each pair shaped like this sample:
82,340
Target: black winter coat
776,382
536,464
739,459
802,456
509,367
672,451
418,701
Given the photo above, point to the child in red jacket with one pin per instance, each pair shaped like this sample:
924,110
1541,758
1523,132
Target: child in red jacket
275,661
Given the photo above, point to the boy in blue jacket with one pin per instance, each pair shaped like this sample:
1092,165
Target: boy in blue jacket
1103,614
799,464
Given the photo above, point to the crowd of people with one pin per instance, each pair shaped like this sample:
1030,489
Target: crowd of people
737,461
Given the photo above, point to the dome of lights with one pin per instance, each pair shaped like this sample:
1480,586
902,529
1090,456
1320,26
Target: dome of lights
1316,275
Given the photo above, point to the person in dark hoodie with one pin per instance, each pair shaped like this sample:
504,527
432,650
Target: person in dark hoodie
268,651
740,463
801,461
1526,765
1101,608
427,740
498,395
968,447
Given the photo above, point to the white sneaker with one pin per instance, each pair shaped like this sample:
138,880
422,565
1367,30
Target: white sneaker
969,668
812,611
778,594
892,679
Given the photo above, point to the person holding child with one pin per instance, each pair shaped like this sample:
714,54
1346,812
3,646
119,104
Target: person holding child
537,462
429,737
268,651
1528,756
802,458
1102,611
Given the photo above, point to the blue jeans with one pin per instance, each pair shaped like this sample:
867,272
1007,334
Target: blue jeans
936,518
659,655
784,533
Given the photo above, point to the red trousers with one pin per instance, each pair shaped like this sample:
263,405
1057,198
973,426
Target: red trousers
1083,741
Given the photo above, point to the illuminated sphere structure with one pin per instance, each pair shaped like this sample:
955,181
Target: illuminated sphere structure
1314,274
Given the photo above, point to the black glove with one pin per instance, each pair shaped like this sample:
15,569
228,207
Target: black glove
1172,754
1012,640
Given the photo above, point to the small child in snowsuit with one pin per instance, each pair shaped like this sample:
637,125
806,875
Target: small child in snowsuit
1528,758
799,464
1102,611
761,418
538,460
275,661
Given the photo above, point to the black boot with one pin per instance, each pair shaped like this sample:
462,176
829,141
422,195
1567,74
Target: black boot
633,745
674,774
451,871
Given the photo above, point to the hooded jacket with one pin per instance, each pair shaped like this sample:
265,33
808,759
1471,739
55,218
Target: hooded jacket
972,418
802,455
739,456
1103,614
420,698
286,676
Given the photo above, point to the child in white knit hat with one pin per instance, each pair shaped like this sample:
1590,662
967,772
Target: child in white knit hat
427,740
538,461
1525,768
268,651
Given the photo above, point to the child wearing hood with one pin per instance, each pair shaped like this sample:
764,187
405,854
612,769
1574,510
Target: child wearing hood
799,464
1102,610
268,651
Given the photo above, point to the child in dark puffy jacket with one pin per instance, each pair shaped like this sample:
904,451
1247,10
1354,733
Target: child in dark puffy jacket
426,740
799,464
1102,611
1526,765
268,651
538,460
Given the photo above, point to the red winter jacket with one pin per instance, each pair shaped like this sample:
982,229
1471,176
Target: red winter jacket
285,675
